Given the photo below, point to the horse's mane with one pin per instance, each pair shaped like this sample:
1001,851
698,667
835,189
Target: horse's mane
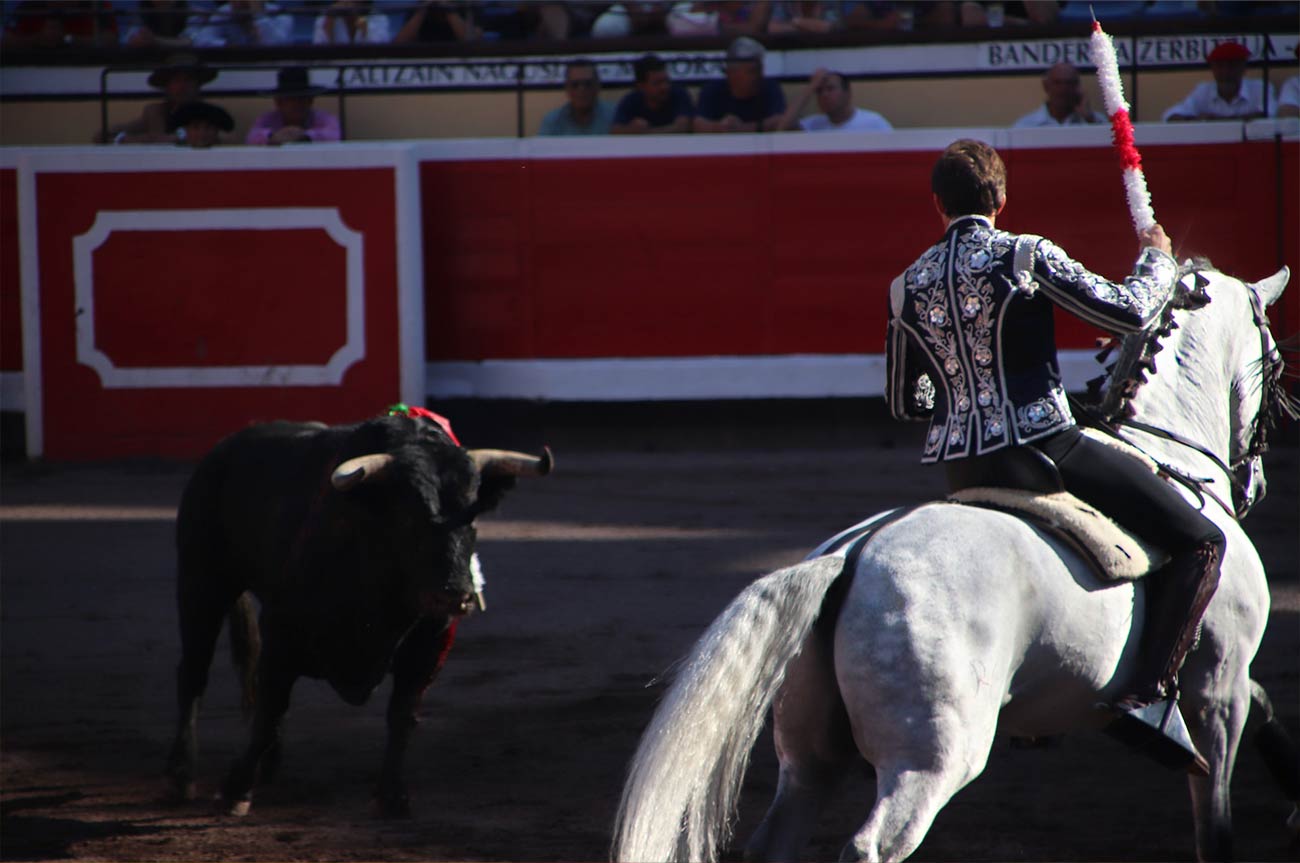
1113,392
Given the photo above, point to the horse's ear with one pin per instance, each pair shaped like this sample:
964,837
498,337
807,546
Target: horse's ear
1271,288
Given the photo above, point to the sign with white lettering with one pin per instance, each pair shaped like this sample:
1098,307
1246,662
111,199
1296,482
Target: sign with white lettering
530,71
547,71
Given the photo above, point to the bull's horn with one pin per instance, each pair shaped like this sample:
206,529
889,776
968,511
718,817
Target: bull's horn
503,462
357,470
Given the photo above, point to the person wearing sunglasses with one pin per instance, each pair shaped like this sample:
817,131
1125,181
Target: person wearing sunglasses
584,113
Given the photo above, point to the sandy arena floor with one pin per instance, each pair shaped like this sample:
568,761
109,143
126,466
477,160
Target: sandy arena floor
598,578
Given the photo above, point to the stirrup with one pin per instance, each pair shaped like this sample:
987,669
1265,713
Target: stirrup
1158,730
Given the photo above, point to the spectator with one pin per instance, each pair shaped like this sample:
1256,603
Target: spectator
1288,100
568,20
160,24
1230,95
632,19
743,101
719,19
802,16
436,21
1288,103
586,113
1066,103
655,105
878,15
51,24
294,120
351,22
244,22
199,124
507,21
180,78
997,13
838,111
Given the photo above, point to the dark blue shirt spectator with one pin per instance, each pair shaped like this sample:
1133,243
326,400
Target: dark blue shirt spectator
656,105
634,105
743,101
717,101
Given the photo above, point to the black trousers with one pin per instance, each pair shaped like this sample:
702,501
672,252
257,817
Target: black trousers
1126,490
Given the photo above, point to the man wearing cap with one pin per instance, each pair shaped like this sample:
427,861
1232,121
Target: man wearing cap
294,120
180,79
1231,96
198,124
743,101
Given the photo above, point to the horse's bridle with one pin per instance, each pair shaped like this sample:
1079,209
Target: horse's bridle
1273,401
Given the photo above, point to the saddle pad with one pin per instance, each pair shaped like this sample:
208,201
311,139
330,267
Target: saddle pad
1118,554
1121,445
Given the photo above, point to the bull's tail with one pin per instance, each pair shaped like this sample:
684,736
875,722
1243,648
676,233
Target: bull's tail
245,647
681,791
1274,743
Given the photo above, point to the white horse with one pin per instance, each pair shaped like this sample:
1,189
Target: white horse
958,622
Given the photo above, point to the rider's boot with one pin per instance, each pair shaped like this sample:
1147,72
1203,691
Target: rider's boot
1177,597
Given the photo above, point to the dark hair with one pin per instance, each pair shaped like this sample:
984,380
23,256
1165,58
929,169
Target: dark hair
969,178
642,68
582,63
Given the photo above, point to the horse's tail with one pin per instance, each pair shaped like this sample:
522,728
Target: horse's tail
1274,743
245,647
680,795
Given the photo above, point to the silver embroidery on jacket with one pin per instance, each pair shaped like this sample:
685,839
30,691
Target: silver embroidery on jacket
977,252
1146,290
953,297
1038,415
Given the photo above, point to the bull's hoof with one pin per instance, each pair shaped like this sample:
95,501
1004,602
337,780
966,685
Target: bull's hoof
234,808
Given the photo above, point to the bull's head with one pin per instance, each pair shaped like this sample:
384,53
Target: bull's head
490,462
424,498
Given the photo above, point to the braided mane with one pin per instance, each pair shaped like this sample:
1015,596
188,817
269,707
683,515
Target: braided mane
1114,391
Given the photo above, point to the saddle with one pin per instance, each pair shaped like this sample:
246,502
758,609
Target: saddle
1025,482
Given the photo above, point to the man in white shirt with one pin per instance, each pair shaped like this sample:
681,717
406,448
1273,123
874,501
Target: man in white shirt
1066,104
1288,99
1230,96
836,101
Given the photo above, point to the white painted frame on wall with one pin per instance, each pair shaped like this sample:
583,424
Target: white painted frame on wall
114,376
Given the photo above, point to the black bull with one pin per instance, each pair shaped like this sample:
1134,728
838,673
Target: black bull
357,541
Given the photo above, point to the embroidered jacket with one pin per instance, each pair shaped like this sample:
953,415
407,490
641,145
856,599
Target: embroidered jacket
971,343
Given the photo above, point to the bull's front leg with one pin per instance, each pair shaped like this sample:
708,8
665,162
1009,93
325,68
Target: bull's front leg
415,665
274,685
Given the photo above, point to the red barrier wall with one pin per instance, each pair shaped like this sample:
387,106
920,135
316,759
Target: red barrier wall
185,299
783,253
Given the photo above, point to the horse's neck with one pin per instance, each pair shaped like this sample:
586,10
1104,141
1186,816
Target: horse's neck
1188,393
